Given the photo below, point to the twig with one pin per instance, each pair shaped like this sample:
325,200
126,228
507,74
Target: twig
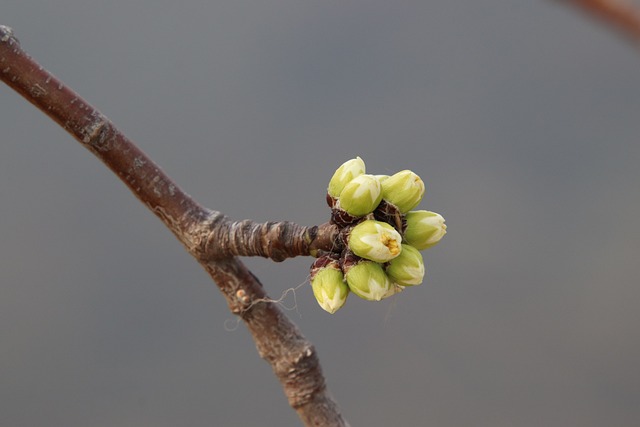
620,14
277,339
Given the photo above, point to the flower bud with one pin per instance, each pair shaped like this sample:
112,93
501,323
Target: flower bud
404,189
424,229
361,196
394,289
329,287
368,280
375,241
407,269
344,174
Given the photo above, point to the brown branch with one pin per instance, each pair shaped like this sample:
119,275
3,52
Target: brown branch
200,230
274,240
620,14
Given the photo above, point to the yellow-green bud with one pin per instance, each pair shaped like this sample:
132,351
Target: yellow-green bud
407,269
424,229
404,189
344,174
361,195
394,289
368,280
329,288
375,241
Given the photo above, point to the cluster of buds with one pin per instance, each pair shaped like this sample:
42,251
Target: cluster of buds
381,236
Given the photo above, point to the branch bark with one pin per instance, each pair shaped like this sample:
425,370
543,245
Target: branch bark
208,235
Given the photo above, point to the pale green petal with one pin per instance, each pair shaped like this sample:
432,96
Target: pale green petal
344,174
375,240
404,189
424,229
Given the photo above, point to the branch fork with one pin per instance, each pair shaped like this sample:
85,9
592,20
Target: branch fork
212,238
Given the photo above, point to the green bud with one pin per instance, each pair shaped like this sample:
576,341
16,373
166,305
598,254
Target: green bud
407,269
404,189
361,196
329,287
344,174
368,280
424,229
394,289
374,240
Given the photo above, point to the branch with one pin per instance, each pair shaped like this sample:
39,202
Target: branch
275,240
208,235
620,14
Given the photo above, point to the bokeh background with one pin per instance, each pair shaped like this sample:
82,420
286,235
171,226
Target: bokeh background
521,117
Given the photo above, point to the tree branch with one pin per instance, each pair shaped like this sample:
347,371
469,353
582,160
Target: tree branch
621,15
275,240
208,235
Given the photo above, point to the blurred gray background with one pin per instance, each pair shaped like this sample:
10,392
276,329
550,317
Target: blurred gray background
522,118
